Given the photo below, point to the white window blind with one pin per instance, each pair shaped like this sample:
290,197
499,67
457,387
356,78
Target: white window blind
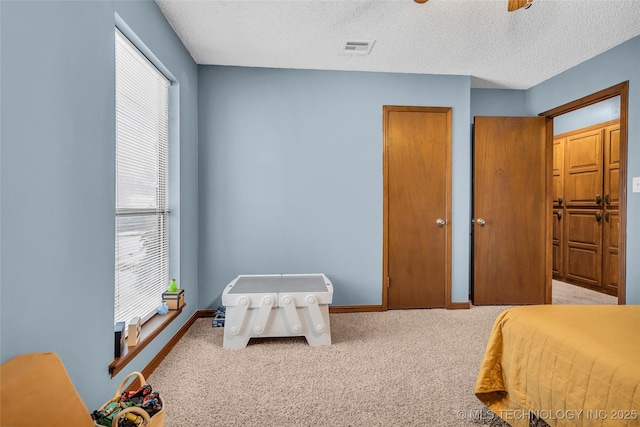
142,208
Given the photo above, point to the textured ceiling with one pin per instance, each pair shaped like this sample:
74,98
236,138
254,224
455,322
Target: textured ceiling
478,38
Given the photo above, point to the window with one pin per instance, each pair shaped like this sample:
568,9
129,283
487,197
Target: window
142,200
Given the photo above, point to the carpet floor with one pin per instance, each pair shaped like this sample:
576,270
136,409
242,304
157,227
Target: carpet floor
393,368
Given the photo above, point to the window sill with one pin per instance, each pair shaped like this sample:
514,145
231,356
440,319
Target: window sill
150,329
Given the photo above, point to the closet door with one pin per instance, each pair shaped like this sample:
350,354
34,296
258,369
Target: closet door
592,177
558,172
583,253
610,252
611,204
583,169
558,211
417,207
612,166
558,231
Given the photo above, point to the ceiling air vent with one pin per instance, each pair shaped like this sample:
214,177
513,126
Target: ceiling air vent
356,47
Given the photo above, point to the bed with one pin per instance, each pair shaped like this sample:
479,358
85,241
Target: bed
570,365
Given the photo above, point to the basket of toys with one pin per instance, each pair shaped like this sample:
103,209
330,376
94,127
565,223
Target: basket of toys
140,407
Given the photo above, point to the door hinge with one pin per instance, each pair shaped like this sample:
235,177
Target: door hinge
388,282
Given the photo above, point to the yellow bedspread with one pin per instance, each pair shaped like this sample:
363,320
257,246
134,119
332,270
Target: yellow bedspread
569,365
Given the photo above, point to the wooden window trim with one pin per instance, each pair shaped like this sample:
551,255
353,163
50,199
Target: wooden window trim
150,329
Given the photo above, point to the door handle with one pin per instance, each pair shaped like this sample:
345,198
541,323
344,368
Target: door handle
559,214
560,200
441,222
606,217
598,198
481,222
598,216
607,199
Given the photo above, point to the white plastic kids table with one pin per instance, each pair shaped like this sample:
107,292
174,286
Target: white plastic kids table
277,305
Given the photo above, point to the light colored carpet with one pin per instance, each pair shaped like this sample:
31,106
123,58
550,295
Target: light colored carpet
394,368
565,293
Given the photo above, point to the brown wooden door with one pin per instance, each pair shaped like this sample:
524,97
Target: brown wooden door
558,231
610,252
557,200
558,171
583,247
612,166
417,199
611,222
583,169
590,248
512,202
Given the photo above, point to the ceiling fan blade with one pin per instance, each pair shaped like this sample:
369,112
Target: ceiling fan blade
518,4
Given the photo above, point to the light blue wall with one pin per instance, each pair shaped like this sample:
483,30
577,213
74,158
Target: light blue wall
497,102
504,102
291,175
614,66
57,181
601,112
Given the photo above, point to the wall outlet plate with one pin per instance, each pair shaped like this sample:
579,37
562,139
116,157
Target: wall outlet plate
636,184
